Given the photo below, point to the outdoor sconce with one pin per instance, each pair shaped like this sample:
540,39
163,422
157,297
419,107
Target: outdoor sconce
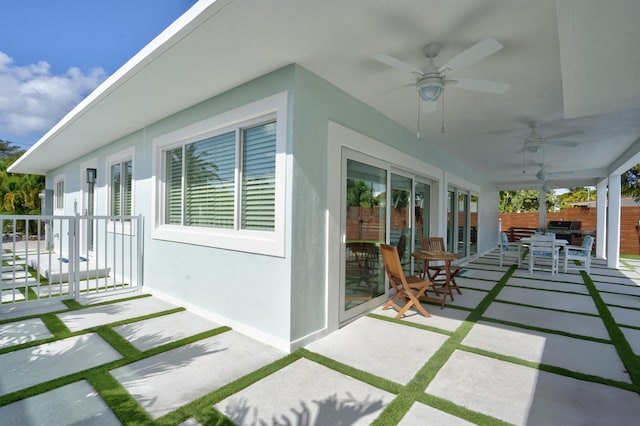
91,175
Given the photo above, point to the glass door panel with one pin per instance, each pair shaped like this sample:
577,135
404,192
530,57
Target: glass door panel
422,197
365,228
451,206
401,228
473,223
462,224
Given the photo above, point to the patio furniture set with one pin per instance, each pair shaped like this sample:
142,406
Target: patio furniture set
546,251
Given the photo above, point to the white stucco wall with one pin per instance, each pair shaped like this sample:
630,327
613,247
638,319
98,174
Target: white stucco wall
281,300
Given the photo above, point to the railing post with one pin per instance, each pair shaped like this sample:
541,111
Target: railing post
74,261
140,258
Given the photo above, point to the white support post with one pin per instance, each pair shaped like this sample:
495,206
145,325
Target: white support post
542,210
601,219
613,228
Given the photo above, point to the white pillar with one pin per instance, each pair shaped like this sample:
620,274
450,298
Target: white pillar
613,226
601,219
542,210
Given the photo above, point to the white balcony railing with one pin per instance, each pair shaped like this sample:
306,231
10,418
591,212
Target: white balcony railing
46,257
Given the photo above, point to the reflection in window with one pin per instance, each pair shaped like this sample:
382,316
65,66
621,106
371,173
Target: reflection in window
365,231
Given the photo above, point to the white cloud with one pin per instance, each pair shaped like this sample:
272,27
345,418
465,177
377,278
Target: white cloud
32,100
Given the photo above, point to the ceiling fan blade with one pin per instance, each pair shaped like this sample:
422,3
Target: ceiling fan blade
565,134
486,86
396,63
569,144
474,54
388,90
559,173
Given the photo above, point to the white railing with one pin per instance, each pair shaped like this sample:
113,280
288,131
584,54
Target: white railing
46,257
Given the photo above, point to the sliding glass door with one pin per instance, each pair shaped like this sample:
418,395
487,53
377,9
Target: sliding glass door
400,229
380,207
365,229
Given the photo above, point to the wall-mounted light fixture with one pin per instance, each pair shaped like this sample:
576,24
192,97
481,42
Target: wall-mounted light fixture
91,175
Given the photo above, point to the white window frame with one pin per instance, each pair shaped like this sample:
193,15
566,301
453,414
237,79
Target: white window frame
270,243
120,158
56,195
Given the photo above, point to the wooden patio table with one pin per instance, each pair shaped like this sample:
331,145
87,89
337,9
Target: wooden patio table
424,257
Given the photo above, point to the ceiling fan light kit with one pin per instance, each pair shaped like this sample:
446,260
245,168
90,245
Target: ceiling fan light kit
430,88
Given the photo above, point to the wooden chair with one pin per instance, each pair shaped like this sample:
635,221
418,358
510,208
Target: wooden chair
409,289
544,249
437,272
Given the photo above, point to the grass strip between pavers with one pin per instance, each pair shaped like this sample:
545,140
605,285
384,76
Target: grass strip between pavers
628,357
119,346
55,326
120,402
202,409
415,389
550,368
54,323
410,324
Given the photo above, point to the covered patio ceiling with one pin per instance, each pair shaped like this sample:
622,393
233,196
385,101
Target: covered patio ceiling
571,65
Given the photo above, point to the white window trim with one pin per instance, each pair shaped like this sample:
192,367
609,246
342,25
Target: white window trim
117,158
58,210
270,243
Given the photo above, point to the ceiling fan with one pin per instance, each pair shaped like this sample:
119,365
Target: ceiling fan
534,141
543,174
432,80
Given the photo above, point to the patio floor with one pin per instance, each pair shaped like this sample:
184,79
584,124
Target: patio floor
514,348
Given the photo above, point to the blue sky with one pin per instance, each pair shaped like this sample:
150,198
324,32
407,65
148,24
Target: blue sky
53,53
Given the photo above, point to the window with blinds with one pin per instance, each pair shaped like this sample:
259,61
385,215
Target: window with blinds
60,194
120,188
226,181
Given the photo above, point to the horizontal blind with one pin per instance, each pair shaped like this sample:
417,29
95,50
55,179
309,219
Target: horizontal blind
115,189
126,187
173,196
258,177
209,186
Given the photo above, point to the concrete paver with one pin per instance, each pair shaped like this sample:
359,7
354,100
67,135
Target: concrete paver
26,331
625,316
583,325
583,356
372,345
17,310
164,382
147,334
523,395
625,300
617,288
106,314
445,319
547,285
420,414
550,300
28,367
306,393
475,283
73,404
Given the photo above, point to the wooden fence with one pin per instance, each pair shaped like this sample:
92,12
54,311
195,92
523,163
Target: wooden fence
629,222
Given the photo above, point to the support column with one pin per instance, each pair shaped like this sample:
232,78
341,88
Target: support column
542,210
601,219
613,225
